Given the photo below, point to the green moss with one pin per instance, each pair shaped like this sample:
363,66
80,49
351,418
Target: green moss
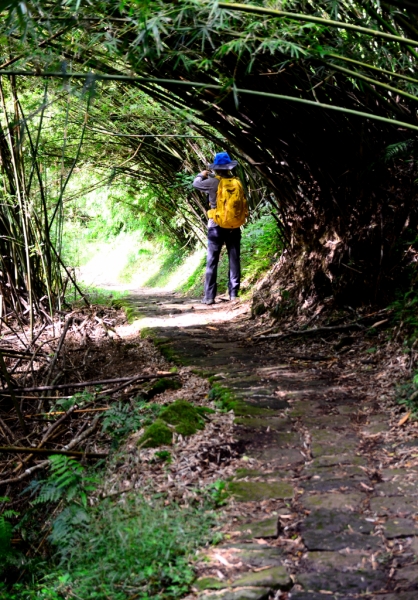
243,409
209,583
167,351
223,397
157,434
226,399
184,416
204,410
145,333
161,385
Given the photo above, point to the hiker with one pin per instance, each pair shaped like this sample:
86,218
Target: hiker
228,211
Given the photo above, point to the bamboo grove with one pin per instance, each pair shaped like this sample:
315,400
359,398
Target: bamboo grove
316,99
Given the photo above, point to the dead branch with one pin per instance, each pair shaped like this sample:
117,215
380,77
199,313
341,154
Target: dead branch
21,450
54,426
313,331
7,431
63,386
45,463
85,434
59,347
63,412
12,394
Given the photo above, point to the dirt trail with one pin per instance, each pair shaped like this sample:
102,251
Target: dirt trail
316,513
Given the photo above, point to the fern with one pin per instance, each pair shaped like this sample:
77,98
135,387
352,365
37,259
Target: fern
8,555
399,150
5,537
67,481
122,420
68,528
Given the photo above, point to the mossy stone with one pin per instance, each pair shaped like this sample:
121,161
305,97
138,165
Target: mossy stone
259,529
275,577
184,416
253,491
157,434
161,385
259,422
243,409
209,583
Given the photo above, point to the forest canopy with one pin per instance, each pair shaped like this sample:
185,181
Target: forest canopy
315,99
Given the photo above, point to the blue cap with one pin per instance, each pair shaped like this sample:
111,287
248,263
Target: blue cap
223,161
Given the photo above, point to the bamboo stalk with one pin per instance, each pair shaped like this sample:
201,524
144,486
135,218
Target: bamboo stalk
372,81
373,67
321,21
197,84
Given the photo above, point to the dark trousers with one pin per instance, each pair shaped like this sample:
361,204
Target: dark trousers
217,237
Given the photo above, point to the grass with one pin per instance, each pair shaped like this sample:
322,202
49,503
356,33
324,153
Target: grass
128,547
133,548
95,295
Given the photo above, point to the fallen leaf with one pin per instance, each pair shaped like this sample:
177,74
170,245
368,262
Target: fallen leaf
222,560
379,323
404,419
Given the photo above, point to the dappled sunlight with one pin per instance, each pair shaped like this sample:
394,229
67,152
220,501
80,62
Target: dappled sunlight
190,265
129,263
163,310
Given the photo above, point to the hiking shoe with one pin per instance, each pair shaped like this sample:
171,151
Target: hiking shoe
232,298
208,301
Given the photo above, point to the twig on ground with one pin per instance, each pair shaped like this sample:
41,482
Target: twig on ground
63,412
45,463
12,394
59,347
22,450
63,386
313,331
7,431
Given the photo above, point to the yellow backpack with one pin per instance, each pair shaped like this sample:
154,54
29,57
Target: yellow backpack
231,206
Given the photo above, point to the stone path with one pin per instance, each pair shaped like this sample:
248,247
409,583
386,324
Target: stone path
320,518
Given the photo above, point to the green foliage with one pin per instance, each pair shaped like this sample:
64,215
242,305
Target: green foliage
9,556
5,537
94,295
260,244
79,399
218,493
123,419
407,394
163,456
401,149
180,416
134,548
67,481
405,312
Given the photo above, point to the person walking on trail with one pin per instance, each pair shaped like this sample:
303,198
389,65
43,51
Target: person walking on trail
228,211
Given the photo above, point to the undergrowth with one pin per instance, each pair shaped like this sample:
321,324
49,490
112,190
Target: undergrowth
408,395
115,548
